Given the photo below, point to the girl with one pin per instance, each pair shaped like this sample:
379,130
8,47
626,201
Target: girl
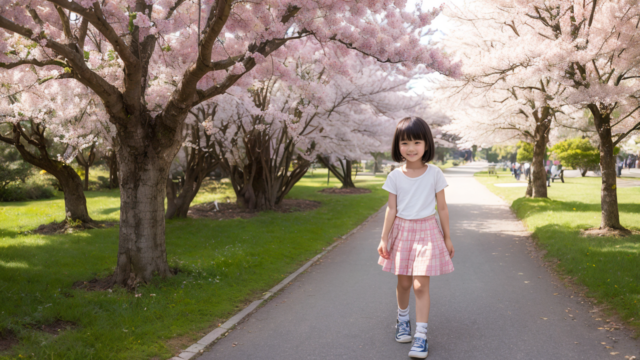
413,247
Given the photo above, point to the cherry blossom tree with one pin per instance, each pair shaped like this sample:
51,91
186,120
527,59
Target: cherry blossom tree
499,99
33,121
590,48
150,62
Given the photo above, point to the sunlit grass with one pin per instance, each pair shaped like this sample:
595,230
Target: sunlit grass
223,265
608,266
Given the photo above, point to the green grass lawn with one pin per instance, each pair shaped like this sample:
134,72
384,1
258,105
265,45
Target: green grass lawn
609,267
224,264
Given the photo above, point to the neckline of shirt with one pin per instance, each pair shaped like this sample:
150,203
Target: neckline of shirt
415,178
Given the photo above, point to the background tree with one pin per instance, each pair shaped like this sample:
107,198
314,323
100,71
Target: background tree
578,154
198,161
524,152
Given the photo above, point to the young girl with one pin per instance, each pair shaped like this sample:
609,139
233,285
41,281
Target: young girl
413,247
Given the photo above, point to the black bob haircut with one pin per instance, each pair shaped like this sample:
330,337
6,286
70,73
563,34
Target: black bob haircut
413,128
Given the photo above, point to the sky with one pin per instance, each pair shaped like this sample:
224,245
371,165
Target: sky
442,26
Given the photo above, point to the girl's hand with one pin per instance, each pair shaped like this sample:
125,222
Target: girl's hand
382,250
449,245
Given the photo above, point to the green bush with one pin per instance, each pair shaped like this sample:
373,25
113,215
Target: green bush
525,152
579,154
28,191
103,182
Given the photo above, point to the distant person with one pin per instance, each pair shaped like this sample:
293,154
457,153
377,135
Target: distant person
527,170
620,164
518,172
513,169
413,246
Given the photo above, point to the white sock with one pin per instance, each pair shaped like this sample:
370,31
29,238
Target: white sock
421,330
403,315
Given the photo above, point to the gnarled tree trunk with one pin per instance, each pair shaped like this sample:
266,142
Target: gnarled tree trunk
609,192
144,159
200,162
269,165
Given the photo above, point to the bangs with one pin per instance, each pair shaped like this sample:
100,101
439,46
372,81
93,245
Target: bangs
411,130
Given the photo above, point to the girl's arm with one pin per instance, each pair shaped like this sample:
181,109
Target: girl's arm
443,212
389,217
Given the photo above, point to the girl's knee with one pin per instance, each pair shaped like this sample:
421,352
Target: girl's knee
421,284
404,282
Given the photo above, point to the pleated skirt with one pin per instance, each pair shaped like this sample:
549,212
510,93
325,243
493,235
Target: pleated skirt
417,248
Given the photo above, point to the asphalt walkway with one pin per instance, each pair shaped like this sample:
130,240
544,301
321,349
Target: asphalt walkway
499,303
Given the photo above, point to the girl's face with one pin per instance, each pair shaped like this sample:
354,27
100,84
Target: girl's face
412,150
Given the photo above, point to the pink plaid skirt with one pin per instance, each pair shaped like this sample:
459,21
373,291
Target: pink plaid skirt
417,248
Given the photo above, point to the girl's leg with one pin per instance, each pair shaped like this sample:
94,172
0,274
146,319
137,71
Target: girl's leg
423,301
403,290
420,348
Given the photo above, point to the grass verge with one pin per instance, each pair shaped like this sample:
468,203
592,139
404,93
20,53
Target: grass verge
607,266
224,264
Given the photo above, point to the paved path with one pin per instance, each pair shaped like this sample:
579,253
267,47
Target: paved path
491,307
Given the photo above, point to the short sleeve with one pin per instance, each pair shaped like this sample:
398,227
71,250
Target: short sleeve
440,182
390,184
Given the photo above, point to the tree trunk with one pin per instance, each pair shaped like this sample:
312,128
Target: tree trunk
86,178
541,137
376,166
75,203
609,193
347,169
143,180
199,163
178,205
583,172
529,192
86,163
113,170
344,174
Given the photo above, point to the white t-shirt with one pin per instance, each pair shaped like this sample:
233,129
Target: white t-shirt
416,197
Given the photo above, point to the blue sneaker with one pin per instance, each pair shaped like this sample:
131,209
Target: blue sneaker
403,331
420,348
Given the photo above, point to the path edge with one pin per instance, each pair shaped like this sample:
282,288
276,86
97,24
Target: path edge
213,336
550,266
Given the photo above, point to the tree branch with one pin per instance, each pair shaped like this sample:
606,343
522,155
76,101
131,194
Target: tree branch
624,135
108,93
82,32
98,20
34,62
66,26
174,8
